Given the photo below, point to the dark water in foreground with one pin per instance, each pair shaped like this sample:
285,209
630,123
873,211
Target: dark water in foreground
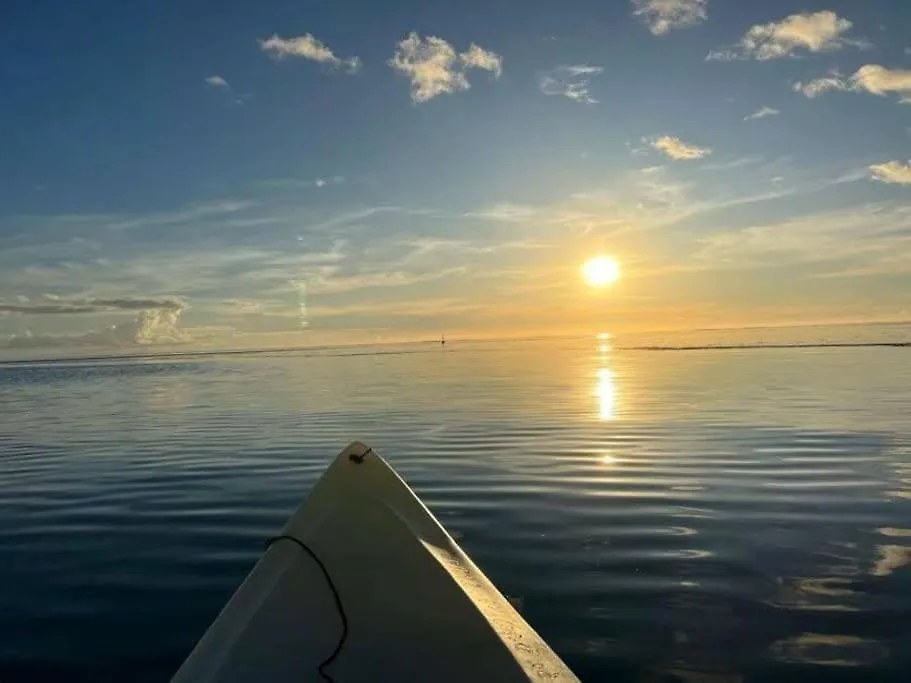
711,516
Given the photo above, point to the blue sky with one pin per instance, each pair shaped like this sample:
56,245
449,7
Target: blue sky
194,172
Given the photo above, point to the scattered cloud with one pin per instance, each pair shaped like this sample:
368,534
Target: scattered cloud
676,149
660,16
434,67
878,80
479,58
156,321
217,82
870,78
893,172
570,81
762,113
145,330
817,32
818,86
308,47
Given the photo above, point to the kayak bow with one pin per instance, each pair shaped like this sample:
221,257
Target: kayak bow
364,584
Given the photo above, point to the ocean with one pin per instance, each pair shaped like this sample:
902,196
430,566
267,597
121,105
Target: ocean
660,512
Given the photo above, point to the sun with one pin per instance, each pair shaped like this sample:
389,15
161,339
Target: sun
601,271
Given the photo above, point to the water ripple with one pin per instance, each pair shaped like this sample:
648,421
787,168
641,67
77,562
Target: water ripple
725,515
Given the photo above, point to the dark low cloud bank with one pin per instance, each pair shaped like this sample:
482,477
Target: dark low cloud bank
78,306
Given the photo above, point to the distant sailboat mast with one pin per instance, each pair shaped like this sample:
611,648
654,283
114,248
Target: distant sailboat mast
443,339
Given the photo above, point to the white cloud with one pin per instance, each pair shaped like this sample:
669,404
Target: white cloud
570,81
878,80
675,148
870,78
434,67
818,32
762,113
663,15
818,86
217,82
893,172
479,58
307,47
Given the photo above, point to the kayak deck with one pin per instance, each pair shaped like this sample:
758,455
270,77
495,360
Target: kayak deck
417,608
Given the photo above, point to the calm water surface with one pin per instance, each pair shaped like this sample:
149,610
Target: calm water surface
715,516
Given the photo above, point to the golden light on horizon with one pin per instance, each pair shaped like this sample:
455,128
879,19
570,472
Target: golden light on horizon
601,271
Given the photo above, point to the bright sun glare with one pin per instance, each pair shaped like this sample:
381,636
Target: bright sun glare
601,271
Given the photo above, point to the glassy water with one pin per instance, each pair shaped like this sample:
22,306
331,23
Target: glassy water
737,515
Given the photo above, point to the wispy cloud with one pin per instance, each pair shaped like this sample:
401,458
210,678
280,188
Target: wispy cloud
570,81
870,78
307,47
671,197
762,113
818,86
320,182
504,212
185,215
336,283
872,235
217,82
678,150
660,16
817,32
740,162
434,67
893,172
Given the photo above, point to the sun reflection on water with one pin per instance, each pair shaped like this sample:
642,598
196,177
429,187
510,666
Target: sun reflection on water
606,393
605,389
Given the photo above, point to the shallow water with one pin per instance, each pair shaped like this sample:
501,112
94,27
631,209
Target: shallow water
737,515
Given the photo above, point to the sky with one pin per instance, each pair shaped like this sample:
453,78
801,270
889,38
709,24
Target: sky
294,172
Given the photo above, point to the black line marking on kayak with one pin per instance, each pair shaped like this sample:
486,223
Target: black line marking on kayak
338,600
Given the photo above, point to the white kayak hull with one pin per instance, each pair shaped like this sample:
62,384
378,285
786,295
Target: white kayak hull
417,607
